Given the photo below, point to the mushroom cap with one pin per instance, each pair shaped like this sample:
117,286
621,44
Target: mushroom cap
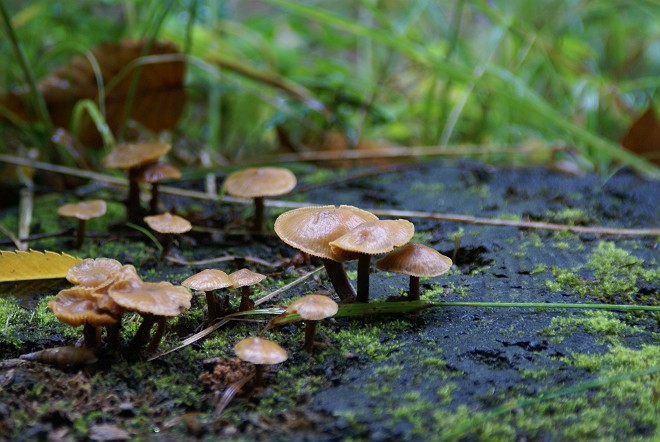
156,298
168,223
208,280
153,173
311,229
83,209
245,277
313,307
94,272
375,237
260,351
415,260
127,156
76,306
257,182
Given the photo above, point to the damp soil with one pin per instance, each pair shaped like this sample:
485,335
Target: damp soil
458,373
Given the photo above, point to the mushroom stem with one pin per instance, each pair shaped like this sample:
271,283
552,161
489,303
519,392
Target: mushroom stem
142,335
91,335
212,305
113,333
133,202
80,233
339,279
158,334
153,204
364,265
413,291
258,214
258,375
246,303
166,243
310,333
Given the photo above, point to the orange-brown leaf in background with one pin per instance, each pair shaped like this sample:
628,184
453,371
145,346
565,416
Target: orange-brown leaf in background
643,136
159,99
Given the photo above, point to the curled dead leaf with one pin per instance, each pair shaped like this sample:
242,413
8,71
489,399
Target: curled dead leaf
643,136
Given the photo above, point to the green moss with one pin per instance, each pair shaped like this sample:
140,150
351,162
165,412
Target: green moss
570,216
605,326
422,186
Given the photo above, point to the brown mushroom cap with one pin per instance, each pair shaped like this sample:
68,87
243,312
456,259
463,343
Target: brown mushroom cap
375,237
94,272
168,223
260,351
83,210
208,280
156,298
260,182
126,156
313,307
311,229
415,260
76,306
245,277
159,171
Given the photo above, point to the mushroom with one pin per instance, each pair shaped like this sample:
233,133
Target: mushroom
153,174
243,279
260,352
154,301
83,211
372,238
311,229
258,183
312,308
130,157
207,281
167,224
94,272
77,306
416,260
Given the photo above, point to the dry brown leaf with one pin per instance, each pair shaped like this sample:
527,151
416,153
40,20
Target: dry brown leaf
34,265
643,136
159,99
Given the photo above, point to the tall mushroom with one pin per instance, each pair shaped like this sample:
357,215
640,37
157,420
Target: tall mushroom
153,174
312,308
167,224
207,281
258,183
372,238
260,352
82,211
416,260
311,229
131,157
243,279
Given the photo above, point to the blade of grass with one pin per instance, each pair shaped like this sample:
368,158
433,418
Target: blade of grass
96,115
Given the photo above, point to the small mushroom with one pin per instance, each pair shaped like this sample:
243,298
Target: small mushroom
94,272
243,279
311,229
416,260
312,308
131,157
155,302
258,183
372,238
153,174
260,352
167,225
82,211
207,281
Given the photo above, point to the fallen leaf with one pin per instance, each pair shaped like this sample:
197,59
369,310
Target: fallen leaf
34,265
107,432
643,136
159,98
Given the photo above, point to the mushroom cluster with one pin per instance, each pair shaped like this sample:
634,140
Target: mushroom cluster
104,290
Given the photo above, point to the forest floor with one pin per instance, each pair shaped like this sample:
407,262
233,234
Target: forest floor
442,373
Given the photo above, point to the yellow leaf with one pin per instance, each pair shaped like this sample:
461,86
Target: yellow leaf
34,265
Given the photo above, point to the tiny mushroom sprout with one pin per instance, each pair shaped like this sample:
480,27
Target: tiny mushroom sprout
243,279
311,229
312,308
154,301
260,352
153,174
207,281
258,183
372,238
131,157
416,260
82,211
167,224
